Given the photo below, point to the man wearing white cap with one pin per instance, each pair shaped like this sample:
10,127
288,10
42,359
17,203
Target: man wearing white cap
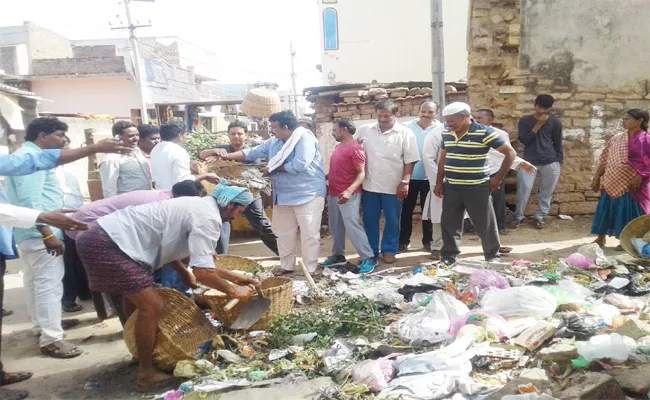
467,186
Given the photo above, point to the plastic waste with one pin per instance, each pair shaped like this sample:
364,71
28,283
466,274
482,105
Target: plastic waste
177,395
338,356
593,252
536,335
579,261
522,301
564,296
528,396
478,333
407,291
642,247
606,312
433,385
374,373
576,288
580,326
487,278
192,368
454,357
431,325
624,302
613,346
494,326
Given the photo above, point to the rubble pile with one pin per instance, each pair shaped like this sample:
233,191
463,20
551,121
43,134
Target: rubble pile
577,328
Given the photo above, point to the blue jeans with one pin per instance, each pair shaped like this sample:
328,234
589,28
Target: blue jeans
344,218
373,204
169,278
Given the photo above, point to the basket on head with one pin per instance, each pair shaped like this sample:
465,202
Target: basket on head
261,103
182,328
636,228
278,290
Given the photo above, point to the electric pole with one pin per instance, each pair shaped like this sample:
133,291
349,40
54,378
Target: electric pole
135,56
293,81
437,55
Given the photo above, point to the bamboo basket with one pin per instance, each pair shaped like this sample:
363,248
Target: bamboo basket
261,103
181,330
278,290
636,228
236,263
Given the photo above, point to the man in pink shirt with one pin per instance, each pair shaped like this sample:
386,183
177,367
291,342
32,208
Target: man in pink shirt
347,172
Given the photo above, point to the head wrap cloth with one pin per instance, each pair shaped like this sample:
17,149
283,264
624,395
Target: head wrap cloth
225,194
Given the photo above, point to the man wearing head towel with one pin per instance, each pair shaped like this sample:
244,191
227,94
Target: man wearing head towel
121,251
464,169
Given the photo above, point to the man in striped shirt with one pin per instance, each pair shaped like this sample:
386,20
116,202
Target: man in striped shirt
467,186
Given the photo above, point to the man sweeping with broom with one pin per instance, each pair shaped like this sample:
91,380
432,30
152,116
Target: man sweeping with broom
121,251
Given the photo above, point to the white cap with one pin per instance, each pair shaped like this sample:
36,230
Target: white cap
455,108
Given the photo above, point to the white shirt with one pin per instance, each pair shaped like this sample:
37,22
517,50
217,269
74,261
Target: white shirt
386,155
170,164
432,209
73,199
18,217
158,233
123,173
495,158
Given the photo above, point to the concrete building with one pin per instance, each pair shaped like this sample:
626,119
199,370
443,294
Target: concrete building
591,56
388,40
96,76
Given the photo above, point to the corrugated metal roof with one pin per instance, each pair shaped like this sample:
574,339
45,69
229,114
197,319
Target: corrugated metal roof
16,91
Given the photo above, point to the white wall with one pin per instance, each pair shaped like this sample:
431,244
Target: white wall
390,41
113,95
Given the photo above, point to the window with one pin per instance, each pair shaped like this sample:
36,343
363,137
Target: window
331,29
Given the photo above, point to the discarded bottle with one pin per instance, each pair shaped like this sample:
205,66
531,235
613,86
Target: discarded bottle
642,247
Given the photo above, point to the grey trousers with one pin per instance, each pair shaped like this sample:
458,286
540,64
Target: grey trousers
344,218
478,204
259,221
548,177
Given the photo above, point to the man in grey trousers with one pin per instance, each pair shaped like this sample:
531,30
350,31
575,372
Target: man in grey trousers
541,135
463,167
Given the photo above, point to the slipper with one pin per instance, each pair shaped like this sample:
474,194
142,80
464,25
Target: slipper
282,272
505,250
9,394
61,349
539,224
69,323
9,378
6,313
74,307
155,385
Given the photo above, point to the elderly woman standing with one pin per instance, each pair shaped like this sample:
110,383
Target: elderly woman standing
622,178
122,250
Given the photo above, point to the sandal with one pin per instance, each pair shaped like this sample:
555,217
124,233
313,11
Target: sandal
6,313
282,272
9,378
505,250
514,224
74,307
10,394
61,349
539,224
69,323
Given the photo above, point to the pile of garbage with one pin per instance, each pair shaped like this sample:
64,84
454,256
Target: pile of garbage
572,328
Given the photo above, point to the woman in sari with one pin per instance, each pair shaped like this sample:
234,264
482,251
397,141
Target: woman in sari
622,178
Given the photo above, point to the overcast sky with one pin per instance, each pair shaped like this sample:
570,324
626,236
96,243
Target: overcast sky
249,38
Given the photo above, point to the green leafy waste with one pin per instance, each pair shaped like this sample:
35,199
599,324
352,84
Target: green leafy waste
352,316
202,141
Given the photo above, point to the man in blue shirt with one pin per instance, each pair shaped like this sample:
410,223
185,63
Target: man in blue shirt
24,164
419,184
298,179
464,167
237,134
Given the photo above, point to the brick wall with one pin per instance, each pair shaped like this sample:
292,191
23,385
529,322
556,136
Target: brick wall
43,43
500,79
94,51
78,66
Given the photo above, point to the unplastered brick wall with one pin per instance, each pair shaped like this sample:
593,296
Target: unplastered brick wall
78,66
500,79
359,104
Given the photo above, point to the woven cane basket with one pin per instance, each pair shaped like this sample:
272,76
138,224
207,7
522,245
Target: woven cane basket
637,228
261,103
278,290
236,263
181,330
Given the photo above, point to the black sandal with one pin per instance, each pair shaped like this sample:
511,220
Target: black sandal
9,378
74,307
61,349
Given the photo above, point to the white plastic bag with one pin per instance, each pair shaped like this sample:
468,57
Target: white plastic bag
454,357
523,301
614,346
374,373
431,386
432,324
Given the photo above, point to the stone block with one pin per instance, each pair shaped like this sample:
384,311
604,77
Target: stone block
583,186
568,197
496,19
380,97
574,134
636,380
560,352
512,89
531,209
581,122
514,29
577,114
482,43
591,195
564,187
377,91
353,107
343,114
579,208
351,99
508,16
561,96
364,107
415,91
634,328
397,94
427,91
513,41
624,96
600,90
480,13
568,105
525,106
615,106
578,153
366,116
351,93
591,386
589,96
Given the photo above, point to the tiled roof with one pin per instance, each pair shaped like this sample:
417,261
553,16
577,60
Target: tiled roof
16,91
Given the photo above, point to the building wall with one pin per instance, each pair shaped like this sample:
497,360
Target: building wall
390,41
44,43
595,69
115,96
80,66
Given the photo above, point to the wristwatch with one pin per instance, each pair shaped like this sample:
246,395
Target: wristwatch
405,182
